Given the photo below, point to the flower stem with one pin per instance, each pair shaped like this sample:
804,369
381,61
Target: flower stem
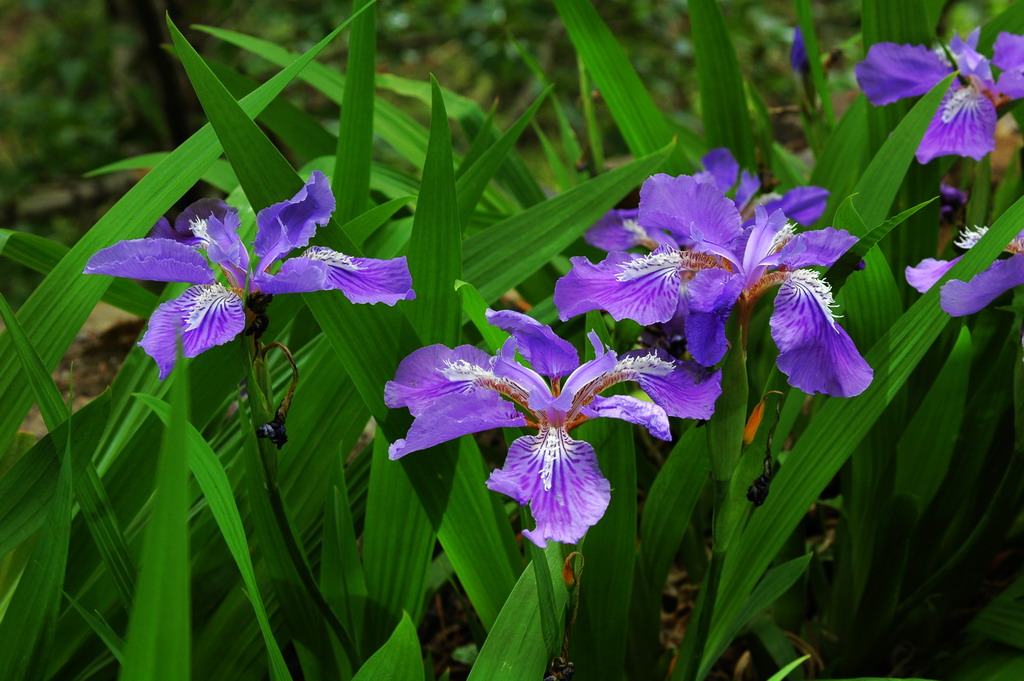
261,411
725,442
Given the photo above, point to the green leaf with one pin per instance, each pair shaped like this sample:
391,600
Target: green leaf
26,630
722,98
89,489
475,308
351,178
635,113
96,622
515,649
218,174
56,310
541,232
471,184
435,249
362,227
398,659
782,673
213,480
158,644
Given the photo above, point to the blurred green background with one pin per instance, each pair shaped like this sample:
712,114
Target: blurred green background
87,83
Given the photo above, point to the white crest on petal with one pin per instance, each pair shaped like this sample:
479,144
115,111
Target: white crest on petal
964,98
553,447
649,364
332,258
199,229
809,282
462,371
212,298
943,56
782,237
666,264
969,237
634,228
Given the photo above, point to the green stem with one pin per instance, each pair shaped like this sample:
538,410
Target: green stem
258,389
725,442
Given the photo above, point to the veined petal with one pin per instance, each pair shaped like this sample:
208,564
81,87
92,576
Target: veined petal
548,354
891,72
817,248
966,297
803,205
362,280
721,167
815,353
688,209
455,415
559,477
152,259
683,389
928,271
964,125
630,409
642,288
593,370
535,392
218,234
436,371
292,223
204,316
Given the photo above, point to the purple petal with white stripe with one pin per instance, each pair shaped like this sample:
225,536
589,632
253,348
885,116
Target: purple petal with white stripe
291,224
891,72
966,297
362,280
688,209
817,248
456,415
964,125
436,371
204,316
630,409
548,354
803,205
815,353
928,271
153,260
642,288
559,477
683,389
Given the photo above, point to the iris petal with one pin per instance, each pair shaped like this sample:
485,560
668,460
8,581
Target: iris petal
689,210
152,259
630,409
547,353
362,280
964,125
435,371
204,316
642,288
291,224
815,353
891,72
966,297
560,479
927,272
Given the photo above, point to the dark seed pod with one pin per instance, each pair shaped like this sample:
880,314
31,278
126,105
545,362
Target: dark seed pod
758,492
274,431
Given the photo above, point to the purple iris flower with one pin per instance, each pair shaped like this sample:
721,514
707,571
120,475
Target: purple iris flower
211,313
798,54
622,229
959,298
729,265
455,392
965,123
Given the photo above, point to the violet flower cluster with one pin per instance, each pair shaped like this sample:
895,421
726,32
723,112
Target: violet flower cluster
726,262
965,123
457,391
959,298
212,312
